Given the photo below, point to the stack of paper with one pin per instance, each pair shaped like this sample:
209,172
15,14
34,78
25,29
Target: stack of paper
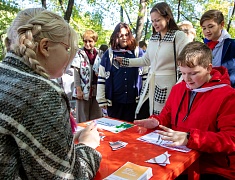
131,171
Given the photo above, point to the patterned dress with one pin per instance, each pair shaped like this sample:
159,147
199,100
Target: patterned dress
85,77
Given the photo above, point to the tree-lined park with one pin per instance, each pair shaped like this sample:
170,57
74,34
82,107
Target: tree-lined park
95,14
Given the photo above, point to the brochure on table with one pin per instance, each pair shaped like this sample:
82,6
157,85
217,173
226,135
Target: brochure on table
109,124
131,171
112,125
156,139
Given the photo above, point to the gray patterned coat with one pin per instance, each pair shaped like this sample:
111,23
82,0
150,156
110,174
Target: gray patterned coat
36,141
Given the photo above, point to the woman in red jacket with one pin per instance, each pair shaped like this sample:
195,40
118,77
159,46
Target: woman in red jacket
199,113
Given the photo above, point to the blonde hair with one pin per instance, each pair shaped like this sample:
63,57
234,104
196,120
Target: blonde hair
44,24
90,34
187,27
22,18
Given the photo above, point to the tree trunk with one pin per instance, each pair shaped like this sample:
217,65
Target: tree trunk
61,6
230,19
146,29
178,17
69,10
44,4
121,14
140,19
129,19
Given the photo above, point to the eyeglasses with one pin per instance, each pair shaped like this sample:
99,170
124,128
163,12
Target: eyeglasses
123,35
67,47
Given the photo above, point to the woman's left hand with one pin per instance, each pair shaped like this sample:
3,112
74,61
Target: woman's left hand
177,137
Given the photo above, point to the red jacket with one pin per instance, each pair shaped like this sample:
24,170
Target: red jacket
210,121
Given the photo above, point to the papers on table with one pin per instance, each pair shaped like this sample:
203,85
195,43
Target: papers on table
117,145
112,125
131,171
156,139
162,159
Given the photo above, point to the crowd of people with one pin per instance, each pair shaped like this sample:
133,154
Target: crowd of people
170,84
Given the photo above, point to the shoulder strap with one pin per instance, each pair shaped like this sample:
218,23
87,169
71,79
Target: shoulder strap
176,69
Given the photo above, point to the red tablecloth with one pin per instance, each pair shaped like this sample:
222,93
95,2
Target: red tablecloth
138,152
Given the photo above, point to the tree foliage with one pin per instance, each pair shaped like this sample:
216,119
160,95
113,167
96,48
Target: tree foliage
93,14
8,11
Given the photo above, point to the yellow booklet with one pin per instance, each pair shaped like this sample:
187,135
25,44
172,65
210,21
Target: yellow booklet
131,171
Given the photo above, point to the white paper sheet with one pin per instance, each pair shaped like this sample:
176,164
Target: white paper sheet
162,159
155,138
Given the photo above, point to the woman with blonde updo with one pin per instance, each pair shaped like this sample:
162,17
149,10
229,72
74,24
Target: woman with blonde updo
22,18
36,138
188,28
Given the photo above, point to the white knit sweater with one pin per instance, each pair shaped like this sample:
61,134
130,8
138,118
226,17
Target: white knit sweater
160,57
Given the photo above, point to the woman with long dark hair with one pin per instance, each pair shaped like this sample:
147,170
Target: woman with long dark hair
117,89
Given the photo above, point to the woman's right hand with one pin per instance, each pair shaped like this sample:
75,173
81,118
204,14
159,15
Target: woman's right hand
90,136
149,123
119,59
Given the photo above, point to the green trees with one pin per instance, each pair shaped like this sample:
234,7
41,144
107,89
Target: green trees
94,14
7,12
